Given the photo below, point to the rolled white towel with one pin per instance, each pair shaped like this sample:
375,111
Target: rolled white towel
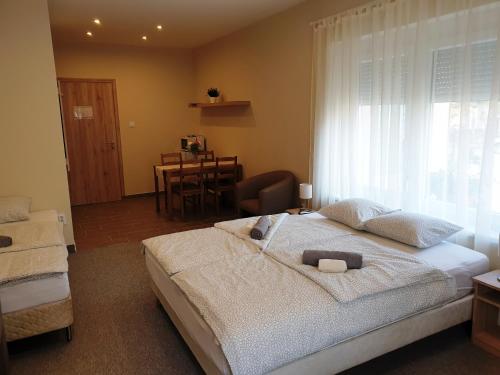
332,265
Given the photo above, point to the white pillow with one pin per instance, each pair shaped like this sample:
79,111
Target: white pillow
354,212
14,209
413,229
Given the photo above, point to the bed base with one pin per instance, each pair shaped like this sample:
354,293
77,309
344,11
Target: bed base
348,353
39,319
383,340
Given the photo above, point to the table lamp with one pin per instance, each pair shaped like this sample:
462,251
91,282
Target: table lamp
305,194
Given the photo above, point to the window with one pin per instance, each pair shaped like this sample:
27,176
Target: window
407,111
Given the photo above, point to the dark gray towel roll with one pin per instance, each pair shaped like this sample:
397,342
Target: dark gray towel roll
5,241
312,257
260,229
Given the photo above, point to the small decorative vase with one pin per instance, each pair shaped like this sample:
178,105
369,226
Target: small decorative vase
212,99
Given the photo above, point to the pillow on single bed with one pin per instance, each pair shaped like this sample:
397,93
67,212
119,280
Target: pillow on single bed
412,229
354,212
14,209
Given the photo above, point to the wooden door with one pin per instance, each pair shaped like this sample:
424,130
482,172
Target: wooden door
92,138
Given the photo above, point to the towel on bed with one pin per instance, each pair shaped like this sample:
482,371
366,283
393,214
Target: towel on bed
5,241
312,257
332,265
241,228
260,229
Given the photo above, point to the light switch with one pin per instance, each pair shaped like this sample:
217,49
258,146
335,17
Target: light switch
131,124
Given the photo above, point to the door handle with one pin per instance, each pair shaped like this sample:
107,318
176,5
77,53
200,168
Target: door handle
112,144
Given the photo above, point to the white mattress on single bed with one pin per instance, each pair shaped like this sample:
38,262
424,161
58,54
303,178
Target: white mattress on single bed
30,293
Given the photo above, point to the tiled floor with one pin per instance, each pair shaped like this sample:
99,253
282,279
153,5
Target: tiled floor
131,220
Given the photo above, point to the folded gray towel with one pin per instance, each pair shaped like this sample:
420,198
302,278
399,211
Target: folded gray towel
312,257
5,241
260,229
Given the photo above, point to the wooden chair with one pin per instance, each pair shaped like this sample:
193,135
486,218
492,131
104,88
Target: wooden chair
206,155
225,178
190,184
170,158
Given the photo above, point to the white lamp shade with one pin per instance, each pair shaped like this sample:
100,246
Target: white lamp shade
306,191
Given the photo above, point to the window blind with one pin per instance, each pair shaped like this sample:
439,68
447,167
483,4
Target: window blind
449,72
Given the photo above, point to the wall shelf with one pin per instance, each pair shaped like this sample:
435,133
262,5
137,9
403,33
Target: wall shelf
239,103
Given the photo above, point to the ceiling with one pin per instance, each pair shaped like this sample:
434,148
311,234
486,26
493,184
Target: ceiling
186,23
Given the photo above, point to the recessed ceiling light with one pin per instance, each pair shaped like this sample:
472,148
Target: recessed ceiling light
89,33
144,37
159,27
97,21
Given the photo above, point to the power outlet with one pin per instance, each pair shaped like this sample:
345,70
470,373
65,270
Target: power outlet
62,218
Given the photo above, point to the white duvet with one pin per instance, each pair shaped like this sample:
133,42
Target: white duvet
266,311
181,251
33,264
37,250
28,235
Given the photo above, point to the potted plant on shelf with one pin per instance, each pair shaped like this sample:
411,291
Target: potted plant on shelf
213,94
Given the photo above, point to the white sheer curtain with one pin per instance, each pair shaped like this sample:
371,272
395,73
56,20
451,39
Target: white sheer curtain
406,111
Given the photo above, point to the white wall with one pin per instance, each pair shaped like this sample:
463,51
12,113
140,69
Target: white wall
153,88
32,159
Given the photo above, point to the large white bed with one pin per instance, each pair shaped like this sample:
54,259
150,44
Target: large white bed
39,304
459,262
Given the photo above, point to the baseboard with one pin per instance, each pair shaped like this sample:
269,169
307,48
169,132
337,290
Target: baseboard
139,195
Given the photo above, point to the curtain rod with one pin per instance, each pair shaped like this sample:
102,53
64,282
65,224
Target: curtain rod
358,10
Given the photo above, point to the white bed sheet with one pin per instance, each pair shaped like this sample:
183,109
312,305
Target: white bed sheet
44,215
24,295
460,262
38,216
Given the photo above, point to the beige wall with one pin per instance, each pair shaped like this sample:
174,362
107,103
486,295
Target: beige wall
268,63
31,147
153,89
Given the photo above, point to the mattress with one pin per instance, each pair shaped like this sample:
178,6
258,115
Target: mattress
30,293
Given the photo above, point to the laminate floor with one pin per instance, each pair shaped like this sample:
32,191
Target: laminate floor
132,220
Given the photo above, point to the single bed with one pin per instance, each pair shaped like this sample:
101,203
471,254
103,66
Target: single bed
459,262
35,305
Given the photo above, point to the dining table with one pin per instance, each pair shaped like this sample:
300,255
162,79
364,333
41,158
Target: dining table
171,171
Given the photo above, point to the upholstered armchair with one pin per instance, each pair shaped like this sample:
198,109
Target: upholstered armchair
267,193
